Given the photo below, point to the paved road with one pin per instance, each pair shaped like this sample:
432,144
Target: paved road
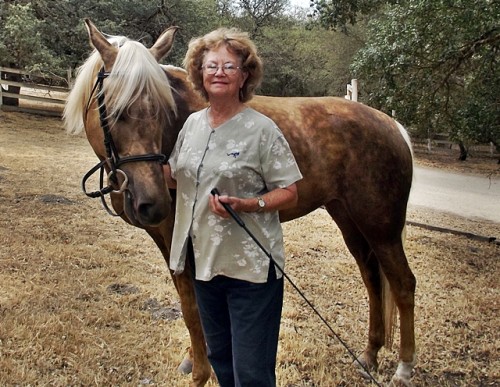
465,195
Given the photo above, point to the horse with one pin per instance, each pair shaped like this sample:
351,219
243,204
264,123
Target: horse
357,163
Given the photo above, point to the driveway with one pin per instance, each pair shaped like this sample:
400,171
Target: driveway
465,195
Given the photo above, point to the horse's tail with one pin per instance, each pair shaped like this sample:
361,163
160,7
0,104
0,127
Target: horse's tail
389,309
406,136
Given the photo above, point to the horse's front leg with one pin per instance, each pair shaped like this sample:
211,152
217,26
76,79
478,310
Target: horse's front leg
197,354
196,360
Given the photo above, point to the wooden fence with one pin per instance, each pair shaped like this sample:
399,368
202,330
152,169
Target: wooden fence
46,99
36,92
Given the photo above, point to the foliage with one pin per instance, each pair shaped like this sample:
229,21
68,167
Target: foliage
297,61
306,62
436,64
60,29
335,14
258,14
22,43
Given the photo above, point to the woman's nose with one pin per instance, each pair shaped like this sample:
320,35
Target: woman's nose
220,71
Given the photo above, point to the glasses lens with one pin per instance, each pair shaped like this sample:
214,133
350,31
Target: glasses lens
229,68
210,68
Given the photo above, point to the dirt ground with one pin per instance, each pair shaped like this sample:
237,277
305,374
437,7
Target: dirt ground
87,300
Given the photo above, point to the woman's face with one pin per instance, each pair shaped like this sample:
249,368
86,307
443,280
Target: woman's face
222,76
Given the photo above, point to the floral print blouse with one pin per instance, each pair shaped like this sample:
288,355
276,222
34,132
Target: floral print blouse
246,156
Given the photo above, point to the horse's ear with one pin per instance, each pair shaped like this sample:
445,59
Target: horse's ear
107,50
164,43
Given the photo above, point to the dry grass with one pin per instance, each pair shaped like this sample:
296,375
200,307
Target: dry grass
87,300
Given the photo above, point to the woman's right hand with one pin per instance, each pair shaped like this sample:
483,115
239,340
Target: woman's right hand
167,174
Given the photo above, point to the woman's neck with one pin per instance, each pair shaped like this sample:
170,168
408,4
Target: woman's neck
218,113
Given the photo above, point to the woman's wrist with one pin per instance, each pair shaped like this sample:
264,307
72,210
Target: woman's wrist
254,204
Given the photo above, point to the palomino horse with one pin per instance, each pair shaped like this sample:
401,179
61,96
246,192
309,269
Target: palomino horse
356,162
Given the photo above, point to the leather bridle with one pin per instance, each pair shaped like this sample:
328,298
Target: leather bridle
113,159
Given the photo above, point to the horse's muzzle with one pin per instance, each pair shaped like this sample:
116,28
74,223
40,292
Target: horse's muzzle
144,211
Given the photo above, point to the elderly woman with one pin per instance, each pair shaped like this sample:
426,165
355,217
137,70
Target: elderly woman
232,147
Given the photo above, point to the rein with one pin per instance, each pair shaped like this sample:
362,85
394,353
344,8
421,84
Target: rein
113,159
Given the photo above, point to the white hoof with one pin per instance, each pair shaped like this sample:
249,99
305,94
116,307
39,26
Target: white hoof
402,377
186,367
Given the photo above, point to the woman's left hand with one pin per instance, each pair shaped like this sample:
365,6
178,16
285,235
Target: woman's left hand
217,208
276,200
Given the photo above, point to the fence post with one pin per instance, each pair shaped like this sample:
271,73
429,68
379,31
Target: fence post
1,90
70,78
352,90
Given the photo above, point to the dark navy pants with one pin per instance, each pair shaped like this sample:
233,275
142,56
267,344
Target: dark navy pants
241,322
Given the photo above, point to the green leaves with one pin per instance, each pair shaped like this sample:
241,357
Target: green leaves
434,62
22,42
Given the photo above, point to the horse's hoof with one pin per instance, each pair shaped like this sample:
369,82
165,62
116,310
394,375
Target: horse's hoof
186,367
364,368
399,382
402,377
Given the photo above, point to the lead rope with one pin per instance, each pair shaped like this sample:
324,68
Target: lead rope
238,220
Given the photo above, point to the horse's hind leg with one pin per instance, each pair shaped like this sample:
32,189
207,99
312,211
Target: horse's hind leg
370,273
393,261
377,244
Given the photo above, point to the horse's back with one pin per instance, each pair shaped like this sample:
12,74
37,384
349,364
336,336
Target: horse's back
346,151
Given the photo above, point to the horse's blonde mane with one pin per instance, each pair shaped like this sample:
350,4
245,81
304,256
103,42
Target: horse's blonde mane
135,72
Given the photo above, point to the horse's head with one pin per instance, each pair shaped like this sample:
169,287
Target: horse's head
126,102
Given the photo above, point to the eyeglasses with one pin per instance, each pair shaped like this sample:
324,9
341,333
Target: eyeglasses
227,68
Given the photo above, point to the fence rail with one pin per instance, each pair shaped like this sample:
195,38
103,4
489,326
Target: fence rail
32,96
48,99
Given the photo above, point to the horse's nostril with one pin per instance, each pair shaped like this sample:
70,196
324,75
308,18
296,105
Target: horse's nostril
150,213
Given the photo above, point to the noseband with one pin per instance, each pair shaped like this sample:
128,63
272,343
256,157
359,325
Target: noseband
113,159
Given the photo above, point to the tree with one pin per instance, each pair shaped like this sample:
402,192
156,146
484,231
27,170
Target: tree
261,13
301,62
436,63
22,45
140,20
340,14
299,59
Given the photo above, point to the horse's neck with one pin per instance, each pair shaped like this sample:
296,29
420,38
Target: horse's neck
187,100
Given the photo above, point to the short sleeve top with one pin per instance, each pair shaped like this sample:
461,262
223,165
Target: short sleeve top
246,156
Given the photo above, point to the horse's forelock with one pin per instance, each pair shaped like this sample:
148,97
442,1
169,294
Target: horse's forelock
134,73
80,93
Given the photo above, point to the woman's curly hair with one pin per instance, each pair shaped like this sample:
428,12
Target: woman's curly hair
236,42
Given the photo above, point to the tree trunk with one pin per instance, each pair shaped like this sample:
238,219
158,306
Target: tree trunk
463,151
497,147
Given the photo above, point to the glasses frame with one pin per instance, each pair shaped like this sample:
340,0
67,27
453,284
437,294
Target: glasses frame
213,70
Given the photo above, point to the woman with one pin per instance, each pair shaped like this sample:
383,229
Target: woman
241,152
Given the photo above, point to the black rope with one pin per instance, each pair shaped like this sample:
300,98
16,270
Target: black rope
238,220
